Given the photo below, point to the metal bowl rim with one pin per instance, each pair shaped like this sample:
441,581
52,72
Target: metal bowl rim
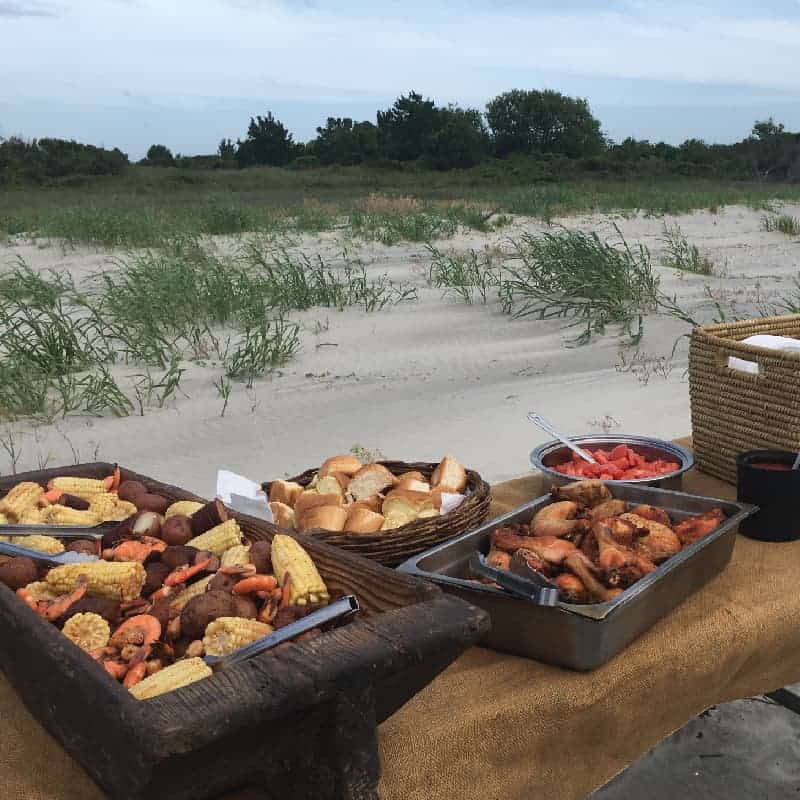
686,457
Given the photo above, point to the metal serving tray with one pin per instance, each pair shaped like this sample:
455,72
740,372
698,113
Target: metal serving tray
583,637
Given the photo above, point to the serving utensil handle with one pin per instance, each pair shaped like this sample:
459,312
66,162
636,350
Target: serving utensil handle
15,551
344,607
548,427
516,585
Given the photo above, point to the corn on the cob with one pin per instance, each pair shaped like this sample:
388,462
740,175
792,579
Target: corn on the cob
193,590
115,580
181,673
32,516
218,539
40,590
87,488
42,544
109,508
184,507
61,515
236,556
89,631
307,586
20,498
3,519
226,634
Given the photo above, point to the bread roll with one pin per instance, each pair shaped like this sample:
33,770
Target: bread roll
414,476
348,465
362,520
373,503
413,485
370,480
343,479
449,476
403,506
309,500
284,492
329,484
327,518
393,521
282,514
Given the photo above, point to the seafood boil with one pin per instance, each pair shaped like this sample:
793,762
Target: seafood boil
593,546
175,581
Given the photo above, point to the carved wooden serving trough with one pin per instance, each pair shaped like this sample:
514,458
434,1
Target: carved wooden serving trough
297,723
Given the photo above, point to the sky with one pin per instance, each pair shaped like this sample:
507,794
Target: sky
186,73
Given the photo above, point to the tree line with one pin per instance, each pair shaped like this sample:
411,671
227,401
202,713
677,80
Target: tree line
556,135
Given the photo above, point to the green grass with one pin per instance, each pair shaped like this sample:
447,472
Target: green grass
146,205
782,223
590,283
680,254
464,274
157,308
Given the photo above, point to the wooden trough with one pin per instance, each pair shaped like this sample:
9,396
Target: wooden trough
297,723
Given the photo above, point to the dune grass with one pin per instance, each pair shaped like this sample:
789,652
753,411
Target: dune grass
576,276
157,308
680,254
782,223
464,275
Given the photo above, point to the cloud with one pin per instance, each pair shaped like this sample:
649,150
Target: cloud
10,8
345,57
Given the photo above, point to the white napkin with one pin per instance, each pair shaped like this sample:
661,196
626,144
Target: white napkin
782,343
450,502
229,483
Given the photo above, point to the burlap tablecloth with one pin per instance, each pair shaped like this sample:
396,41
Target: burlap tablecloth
497,726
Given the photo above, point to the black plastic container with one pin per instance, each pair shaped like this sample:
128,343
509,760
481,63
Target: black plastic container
775,491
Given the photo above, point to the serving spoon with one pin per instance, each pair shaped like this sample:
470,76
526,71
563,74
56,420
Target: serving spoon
540,422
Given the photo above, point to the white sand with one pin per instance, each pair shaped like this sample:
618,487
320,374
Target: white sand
421,379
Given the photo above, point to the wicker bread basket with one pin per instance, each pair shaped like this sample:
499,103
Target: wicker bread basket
395,546
734,411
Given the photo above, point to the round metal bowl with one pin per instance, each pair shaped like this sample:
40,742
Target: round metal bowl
548,455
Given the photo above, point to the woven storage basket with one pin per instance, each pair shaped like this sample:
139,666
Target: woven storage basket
395,546
734,411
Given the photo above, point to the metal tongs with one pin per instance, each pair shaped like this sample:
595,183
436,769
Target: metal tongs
340,609
94,532
521,580
15,551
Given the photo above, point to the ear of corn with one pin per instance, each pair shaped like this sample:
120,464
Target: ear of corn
61,515
218,539
193,590
41,590
236,556
3,519
42,544
181,673
183,507
109,508
226,634
87,488
20,498
307,586
114,580
32,516
89,631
